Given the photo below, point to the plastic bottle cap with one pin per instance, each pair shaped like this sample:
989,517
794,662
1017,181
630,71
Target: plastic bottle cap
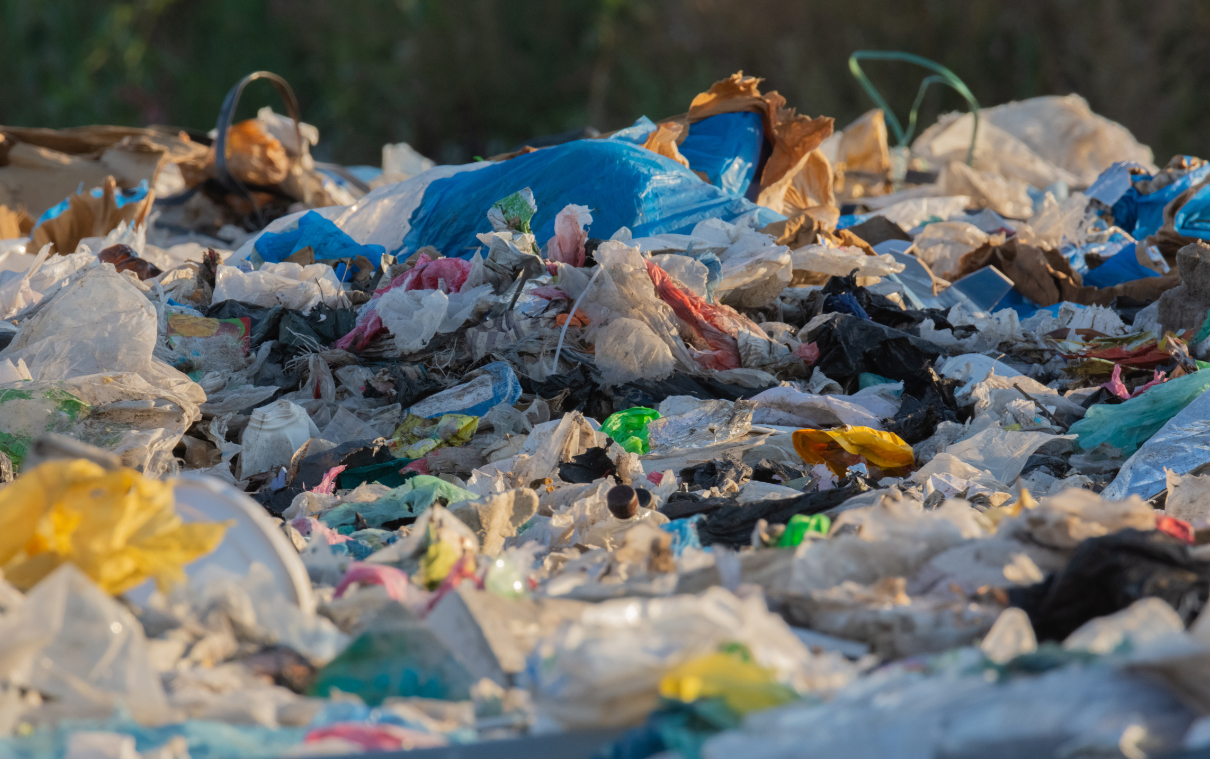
644,497
623,502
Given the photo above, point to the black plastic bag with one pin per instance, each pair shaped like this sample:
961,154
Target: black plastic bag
1108,574
732,525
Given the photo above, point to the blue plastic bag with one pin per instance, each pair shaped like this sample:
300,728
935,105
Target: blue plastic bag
726,148
325,238
1193,218
1122,266
1142,215
624,185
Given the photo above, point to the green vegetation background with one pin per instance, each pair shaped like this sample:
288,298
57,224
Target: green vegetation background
458,78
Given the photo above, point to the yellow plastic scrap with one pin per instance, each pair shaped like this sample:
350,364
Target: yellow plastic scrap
1026,501
844,446
118,527
416,436
742,684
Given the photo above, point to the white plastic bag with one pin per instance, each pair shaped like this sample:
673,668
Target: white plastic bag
627,350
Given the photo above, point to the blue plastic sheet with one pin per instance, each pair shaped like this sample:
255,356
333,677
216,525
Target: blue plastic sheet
120,198
325,238
1122,266
726,148
637,133
1141,215
624,185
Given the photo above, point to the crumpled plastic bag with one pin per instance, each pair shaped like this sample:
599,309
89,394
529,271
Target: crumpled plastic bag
841,262
997,153
287,284
412,316
1063,130
118,527
794,408
75,644
606,668
1002,453
629,428
627,350
841,448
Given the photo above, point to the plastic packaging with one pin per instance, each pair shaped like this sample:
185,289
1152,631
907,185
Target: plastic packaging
323,237
629,428
707,423
671,198
496,383
840,448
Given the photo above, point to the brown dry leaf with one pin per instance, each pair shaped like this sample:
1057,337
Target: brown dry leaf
87,216
15,223
664,139
863,146
806,188
795,232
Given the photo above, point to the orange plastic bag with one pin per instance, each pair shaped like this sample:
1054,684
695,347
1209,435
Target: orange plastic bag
842,447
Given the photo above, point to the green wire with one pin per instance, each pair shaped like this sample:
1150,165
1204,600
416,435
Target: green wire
942,76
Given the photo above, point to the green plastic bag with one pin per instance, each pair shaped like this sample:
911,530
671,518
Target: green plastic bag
408,501
798,527
1129,424
629,428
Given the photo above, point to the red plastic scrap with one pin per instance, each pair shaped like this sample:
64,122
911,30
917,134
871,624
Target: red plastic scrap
1146,356
808,352
715,325
1177,528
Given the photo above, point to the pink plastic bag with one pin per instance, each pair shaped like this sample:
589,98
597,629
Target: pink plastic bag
395,581
567,246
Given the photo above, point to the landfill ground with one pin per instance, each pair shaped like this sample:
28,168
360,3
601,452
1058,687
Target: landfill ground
735,434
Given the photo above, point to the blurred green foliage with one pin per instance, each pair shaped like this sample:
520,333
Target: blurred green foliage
458,78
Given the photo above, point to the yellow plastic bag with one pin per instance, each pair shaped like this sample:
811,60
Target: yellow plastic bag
842,447
742,684
118,527
416,436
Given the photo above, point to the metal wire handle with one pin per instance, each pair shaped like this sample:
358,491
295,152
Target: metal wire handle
227,113
942,76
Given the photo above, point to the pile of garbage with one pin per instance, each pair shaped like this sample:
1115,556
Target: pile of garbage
733,433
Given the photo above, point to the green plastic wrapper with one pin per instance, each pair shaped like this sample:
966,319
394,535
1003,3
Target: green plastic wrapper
629,428
1129,424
